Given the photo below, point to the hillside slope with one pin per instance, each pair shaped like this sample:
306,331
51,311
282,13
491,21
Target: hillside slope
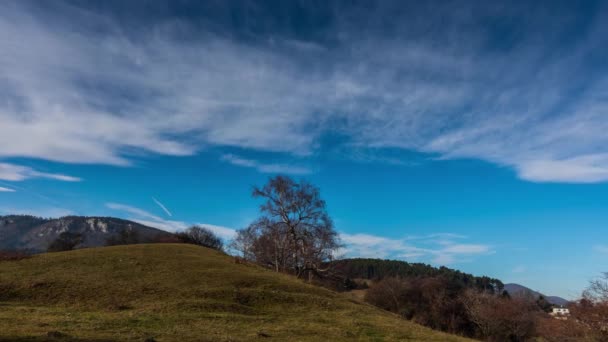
179,293
36,233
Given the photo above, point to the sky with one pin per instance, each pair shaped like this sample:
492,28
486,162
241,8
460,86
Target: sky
470,134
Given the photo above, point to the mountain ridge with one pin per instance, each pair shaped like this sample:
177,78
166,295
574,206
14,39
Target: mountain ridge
35,234
518,289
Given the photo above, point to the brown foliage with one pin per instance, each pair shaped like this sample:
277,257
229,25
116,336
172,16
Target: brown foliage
431,301
592,315
557,330
499,318
13,255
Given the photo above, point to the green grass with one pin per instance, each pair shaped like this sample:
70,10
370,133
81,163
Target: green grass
179,293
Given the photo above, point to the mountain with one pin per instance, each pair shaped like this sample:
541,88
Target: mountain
180,292
516,289
36,234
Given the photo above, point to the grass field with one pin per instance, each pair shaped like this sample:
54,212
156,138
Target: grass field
179,293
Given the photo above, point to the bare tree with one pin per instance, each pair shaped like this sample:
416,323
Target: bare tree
294,234
501,319
592,309
597,291
201,236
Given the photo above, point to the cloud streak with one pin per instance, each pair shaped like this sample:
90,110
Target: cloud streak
3,189
148,219
265,167
162,206
15,173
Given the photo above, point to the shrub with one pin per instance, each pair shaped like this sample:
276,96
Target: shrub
201,236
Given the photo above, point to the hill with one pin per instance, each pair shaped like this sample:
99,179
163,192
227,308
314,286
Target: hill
517,289
377,269
36,233
178,292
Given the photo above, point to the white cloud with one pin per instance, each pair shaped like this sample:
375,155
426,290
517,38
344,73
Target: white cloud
265,167
440,249
519,269
148,219
3,189
223,232
581,169
12,172
101,96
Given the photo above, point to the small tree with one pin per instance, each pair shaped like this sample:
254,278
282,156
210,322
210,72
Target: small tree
201,236
66,241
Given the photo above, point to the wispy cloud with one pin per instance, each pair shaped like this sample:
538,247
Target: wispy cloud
3,189
265,167
519,269
148,219
12,172
440,249
162,206
88,100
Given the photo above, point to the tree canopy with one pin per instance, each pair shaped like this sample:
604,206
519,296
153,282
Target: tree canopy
294,232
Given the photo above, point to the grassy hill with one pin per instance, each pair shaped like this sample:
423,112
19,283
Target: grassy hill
179,293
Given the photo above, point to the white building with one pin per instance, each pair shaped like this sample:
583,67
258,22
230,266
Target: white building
560,312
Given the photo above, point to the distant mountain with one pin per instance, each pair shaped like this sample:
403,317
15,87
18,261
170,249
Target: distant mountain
36,233
516,289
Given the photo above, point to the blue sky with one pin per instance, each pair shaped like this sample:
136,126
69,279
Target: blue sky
467,134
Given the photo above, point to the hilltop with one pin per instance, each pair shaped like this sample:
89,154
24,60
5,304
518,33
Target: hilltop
35,234
364,269
180,292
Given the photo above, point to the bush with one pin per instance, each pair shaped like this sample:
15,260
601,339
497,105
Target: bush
201,236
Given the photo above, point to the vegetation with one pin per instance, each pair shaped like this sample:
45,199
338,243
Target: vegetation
377,269
294,233
179,292
66,241
441,304
201,236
